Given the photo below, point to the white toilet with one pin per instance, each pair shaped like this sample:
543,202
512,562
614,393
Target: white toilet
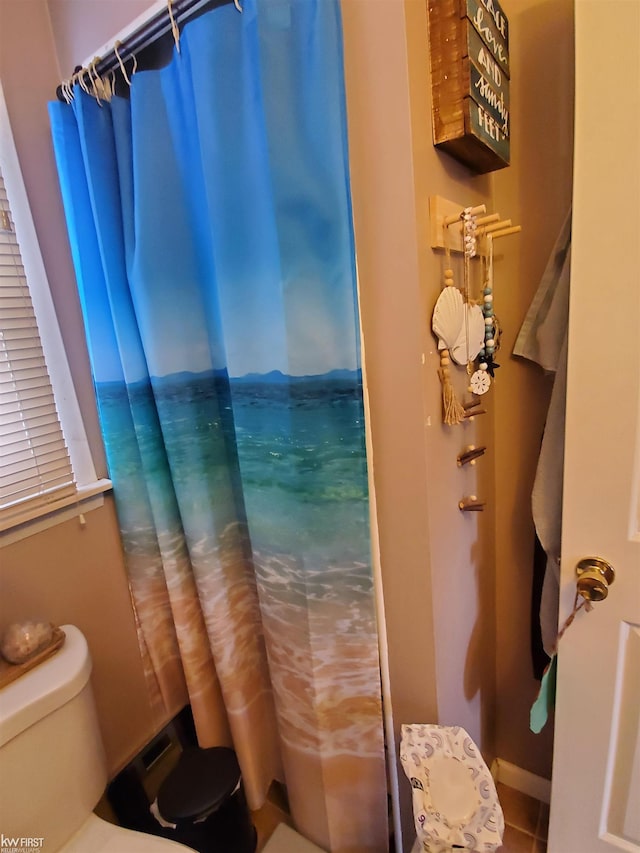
455,803
52,764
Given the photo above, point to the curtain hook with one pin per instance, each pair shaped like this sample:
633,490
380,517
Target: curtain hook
121,63
83,85
66,91
95,79
174,26
105,85
236,3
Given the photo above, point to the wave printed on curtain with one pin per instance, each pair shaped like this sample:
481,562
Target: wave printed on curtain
301,453
210,227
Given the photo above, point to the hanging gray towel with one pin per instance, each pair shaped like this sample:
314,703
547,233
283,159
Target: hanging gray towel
543,339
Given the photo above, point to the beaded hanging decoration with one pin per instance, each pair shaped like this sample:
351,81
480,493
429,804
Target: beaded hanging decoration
467,328
486,365
457,321
473,317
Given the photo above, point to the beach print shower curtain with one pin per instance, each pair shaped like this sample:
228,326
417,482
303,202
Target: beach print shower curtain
209,219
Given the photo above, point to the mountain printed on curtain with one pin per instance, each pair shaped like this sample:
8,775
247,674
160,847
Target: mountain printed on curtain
210,224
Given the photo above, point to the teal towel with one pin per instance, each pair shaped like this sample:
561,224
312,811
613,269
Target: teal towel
546,698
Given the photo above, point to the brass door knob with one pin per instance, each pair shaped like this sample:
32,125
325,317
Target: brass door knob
595,576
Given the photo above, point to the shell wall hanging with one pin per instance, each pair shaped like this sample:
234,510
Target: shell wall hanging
464,320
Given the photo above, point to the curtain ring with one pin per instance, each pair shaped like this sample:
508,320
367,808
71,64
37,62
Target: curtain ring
174,26
121,63
236,3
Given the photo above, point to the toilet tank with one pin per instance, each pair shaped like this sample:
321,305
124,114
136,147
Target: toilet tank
52,765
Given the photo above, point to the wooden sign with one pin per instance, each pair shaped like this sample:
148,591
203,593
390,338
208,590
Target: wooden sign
470,70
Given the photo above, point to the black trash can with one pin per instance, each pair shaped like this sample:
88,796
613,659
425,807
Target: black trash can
204,797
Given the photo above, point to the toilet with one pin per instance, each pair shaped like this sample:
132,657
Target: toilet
455,803
52,764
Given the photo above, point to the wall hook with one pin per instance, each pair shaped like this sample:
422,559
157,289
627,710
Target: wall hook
470,454
472,410
471,504
505,232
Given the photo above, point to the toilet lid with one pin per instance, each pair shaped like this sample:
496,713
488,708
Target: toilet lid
455,802
98,836
451,789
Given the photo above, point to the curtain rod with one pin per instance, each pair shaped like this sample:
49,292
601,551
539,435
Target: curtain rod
142,33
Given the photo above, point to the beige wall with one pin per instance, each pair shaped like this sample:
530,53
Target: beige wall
71,574
456,587
29,71
68,574
436,564
81,27
536,192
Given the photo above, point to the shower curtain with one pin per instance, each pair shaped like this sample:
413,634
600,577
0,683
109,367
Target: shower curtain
209,219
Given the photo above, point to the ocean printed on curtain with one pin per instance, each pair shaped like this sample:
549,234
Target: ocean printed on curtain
209,216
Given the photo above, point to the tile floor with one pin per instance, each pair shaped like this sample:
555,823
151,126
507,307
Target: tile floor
526,820
266,820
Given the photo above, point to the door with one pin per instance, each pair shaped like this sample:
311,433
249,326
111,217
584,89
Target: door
595,801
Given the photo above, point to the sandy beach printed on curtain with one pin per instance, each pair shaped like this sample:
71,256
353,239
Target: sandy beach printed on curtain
301,453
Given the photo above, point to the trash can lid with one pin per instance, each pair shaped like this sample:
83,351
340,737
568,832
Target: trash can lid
199,783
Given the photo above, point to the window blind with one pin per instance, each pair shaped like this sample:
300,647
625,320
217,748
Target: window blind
35,468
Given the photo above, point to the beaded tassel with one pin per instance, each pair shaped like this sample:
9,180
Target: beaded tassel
452,411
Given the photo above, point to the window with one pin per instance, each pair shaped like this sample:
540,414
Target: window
34,460
45,462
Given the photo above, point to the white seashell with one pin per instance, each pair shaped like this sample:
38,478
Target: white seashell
450,324
463,351
448,318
